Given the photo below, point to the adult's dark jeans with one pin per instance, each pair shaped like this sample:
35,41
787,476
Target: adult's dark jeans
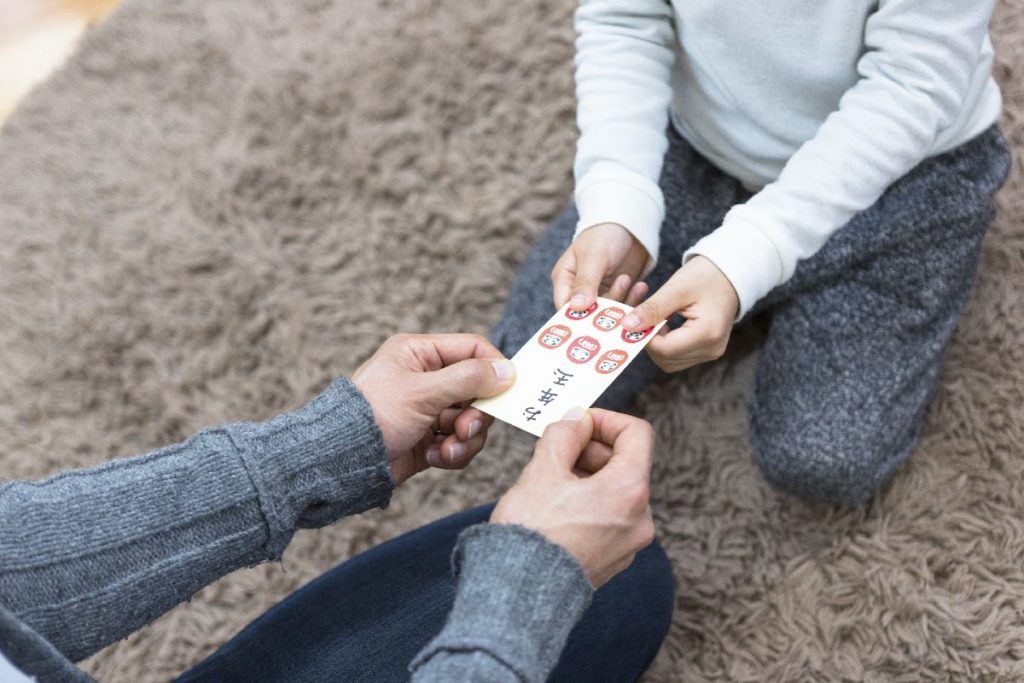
367,618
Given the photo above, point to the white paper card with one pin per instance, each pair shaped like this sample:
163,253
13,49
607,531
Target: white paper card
568,363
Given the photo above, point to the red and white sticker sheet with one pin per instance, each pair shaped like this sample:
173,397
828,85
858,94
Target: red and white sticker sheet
567,364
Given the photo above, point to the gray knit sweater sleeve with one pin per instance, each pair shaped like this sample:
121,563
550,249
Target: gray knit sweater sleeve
518,597
89,556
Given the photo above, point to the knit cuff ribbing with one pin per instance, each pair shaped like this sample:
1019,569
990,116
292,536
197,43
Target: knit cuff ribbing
518,598
317,464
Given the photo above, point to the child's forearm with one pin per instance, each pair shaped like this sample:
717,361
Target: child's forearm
623,65
915,77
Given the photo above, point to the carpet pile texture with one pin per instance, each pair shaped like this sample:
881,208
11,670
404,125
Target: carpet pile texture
215,208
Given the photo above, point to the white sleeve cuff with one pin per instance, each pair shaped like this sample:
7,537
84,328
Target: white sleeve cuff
746,255
609,193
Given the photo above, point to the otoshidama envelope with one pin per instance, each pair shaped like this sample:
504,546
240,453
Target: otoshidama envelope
568,363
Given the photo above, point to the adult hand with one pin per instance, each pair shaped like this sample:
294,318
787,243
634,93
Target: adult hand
586,489
604,260
703,295
418,387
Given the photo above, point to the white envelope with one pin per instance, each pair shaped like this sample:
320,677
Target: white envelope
567,364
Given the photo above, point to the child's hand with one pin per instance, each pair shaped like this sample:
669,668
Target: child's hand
702,294
605,259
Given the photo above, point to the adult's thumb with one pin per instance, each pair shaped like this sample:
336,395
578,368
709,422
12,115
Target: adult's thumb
563,441
470,379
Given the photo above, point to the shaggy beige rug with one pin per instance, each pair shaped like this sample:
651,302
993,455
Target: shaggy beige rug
217,207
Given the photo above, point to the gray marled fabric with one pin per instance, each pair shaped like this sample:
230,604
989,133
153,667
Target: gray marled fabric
89,556
858,334
519,595
215,207
27,652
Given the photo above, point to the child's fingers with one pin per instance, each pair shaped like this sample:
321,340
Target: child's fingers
670,364
673,351
590,271
689,345
637,294
675,295
562,277
620,288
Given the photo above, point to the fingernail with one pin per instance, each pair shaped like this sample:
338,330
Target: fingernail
456,452
474,427
578,301
574,414
503,370
632,320
434,456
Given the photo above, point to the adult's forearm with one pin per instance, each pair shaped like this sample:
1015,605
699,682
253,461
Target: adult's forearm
89,556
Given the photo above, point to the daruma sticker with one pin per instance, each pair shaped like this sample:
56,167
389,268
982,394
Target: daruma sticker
589,355
554,336
634,337
583,349
611,361
609,318
580,315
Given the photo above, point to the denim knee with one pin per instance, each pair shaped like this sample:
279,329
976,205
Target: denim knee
623,629
650,585
653,571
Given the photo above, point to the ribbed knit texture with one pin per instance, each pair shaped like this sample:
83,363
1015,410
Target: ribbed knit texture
89,556
29,654
519,596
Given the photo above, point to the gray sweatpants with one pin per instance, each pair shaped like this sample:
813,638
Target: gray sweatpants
858,334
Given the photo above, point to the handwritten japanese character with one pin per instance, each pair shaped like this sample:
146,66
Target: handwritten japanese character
532,413
562,377
547,396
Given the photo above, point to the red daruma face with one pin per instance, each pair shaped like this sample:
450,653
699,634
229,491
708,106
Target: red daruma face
611,361
634,337
583,349
609,318
580,315
554,336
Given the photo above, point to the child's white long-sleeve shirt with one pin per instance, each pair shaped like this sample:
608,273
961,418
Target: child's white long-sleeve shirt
817,105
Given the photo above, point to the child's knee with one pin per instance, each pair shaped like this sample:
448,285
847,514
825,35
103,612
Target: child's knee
836,471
